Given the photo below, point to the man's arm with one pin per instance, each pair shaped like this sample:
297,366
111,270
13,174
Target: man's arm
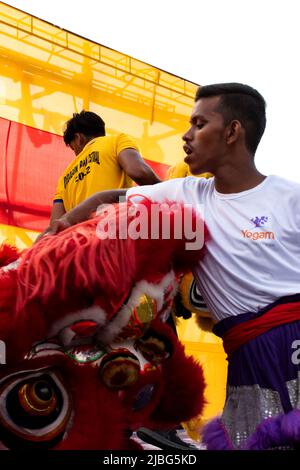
84,210
58,210
136,168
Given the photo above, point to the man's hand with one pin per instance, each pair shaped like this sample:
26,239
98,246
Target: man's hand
55,227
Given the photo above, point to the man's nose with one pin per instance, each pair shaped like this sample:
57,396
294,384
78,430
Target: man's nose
187,136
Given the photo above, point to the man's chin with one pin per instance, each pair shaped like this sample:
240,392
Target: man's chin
194,167
195,170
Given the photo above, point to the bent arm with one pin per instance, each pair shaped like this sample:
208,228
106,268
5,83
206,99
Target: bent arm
85,209
136,168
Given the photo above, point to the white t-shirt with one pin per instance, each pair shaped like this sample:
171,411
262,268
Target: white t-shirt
253,255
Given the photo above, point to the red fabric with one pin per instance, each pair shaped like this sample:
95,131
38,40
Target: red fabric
31,161
244,332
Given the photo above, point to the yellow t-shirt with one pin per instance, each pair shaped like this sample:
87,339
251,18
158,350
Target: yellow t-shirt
181,170
94,169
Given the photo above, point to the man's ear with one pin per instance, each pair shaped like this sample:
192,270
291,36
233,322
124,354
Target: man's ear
82,139
233,132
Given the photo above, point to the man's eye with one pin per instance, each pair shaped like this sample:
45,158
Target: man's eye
199,125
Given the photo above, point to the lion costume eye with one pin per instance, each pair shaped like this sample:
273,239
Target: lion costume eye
119,369
36,407
154,347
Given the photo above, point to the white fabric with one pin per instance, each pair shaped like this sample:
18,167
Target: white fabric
246,267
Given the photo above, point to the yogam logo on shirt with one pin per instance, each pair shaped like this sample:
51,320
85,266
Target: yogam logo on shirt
259,222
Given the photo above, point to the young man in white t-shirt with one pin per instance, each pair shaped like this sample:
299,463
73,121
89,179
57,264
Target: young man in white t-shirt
250,274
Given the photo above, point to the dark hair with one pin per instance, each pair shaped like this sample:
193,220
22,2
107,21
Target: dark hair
240,102
87,123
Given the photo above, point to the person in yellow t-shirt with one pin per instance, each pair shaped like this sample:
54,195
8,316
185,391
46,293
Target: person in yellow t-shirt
181,170
101,163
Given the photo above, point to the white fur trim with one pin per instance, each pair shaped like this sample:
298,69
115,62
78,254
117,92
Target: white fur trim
11,266
94,313
107,334
156,291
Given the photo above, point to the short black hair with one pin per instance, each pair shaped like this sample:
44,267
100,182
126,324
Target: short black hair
240,102
85,122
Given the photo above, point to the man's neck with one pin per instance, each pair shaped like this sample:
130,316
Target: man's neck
235,179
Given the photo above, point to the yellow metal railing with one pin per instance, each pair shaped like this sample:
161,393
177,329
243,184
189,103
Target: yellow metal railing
48,73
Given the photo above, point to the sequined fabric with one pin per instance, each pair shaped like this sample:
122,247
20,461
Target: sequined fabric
293,387
246,407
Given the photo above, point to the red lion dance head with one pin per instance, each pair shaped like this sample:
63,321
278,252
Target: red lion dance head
88,355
